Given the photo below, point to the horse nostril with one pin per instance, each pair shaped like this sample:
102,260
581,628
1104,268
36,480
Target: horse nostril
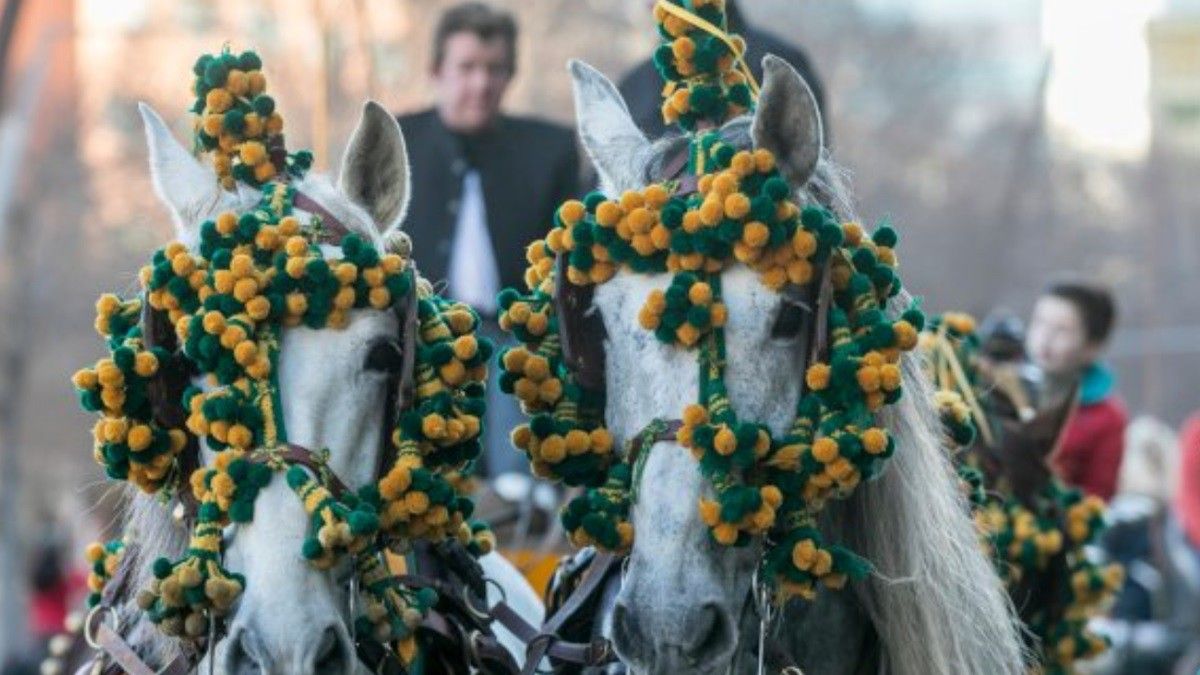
245,654
713,635
627,639
330,655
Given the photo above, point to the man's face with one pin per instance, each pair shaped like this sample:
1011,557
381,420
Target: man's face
1057,341
471,81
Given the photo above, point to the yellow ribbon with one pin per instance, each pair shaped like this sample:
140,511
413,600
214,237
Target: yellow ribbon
964,385
715,31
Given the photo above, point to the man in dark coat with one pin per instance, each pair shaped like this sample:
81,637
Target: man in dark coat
642,86
484,184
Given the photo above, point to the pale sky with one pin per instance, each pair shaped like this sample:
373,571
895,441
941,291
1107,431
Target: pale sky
1097,97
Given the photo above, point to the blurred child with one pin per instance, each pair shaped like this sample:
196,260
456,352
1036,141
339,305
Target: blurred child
1067,334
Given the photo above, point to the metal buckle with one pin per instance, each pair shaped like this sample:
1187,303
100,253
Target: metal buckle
92,623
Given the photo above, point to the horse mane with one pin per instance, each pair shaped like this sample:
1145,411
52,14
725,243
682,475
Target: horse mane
155,534
935,601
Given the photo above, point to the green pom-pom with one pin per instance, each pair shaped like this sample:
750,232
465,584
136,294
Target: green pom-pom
249,61
296,477
311,549
263,105
235,121
162,568
215,73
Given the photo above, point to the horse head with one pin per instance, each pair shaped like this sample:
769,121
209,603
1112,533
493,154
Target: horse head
689,597
683,594
336,389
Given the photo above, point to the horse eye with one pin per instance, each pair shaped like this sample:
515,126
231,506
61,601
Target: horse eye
385,356
790,319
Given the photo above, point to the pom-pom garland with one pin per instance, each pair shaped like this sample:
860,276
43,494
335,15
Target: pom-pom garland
103,560
249,276
1043,537
765,487
237,123
703,82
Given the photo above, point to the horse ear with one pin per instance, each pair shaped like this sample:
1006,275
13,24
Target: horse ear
607,130
375,171
787,121
188,188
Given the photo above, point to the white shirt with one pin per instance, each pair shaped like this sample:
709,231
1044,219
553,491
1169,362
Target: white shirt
473,277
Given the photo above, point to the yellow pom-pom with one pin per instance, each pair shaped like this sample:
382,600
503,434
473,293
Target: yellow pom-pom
737,205
804,244
552,449
577,441
725,442
608,213
656,196
817,377
379,297
719,314
84,379
825,450
226,223
218,100
700,293
571,212
874,440
687,334
725,534
237,83
711,211
258,308
139,438
756,234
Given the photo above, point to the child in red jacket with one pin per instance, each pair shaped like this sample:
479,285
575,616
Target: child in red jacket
1069,329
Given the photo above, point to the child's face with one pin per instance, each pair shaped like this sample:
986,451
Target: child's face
1057,341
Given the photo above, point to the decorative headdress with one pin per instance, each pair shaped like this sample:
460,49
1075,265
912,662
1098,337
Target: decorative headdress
226,303
742,212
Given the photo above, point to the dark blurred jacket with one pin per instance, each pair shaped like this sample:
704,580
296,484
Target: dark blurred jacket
642,86
527,168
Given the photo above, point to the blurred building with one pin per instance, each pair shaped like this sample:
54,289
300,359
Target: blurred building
1174,40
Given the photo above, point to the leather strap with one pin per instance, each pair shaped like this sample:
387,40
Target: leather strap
546,641
643,441
334,227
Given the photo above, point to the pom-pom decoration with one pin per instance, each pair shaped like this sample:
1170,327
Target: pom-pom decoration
228,298
764,487
707,80
1038,540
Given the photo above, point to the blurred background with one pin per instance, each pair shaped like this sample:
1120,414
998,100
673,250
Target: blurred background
1010,142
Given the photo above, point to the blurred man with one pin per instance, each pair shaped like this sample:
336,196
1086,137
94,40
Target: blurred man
1067,334
485,184
642,86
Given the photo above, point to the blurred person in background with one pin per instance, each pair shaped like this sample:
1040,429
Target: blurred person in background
1068,331
1187,512
1002,337
484,184
642,87
1155,622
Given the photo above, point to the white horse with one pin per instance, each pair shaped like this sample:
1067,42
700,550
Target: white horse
291,617
933,603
